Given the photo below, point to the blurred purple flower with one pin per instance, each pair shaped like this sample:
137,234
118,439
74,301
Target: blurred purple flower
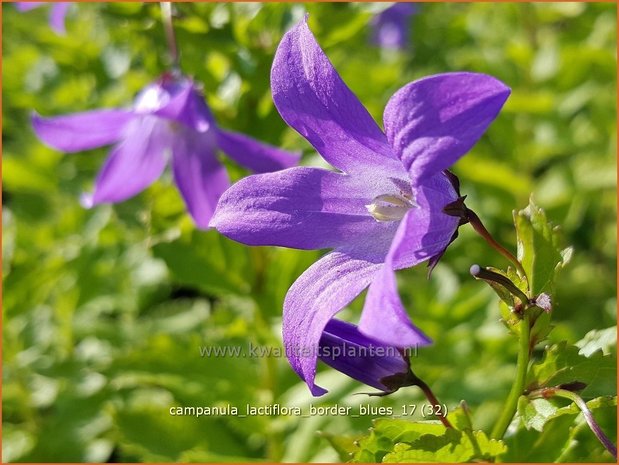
57,12
347,350
169,121
391,28
382,211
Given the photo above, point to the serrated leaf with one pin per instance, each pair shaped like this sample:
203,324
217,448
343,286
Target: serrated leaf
434,449
593,404
345,446
387,432
451,447
489,448
598,339
400,441
562,364
460,418
538,247
581,444
534,413
552,430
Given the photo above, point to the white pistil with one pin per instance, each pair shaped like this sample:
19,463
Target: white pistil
389,207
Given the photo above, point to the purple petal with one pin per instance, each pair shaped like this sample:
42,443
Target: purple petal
434,121
199,176
305,208
391,28
135,162
257,156
151,99
27,6
424,232
312,98
323,290
384,317
57,15
184,104
82,131
344,348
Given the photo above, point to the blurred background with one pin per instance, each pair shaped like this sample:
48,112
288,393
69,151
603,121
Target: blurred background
105,309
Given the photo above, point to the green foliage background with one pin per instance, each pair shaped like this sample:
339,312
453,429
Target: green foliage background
104,310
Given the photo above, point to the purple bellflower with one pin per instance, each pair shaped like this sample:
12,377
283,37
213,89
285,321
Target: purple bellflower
381,211
57,13
384,367
347,350
169,121
391,27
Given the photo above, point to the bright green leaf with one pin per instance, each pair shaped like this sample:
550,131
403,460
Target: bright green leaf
538,247
562,364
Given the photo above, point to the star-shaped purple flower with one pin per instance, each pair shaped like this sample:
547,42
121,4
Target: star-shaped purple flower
57,13
169,121
391,27
381,211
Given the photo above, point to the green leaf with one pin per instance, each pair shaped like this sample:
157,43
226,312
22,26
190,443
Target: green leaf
345,446
564,364
538,247
564,436
598,339
207,262
500,290
142,429
386,433
547,429
438,449
581,444
460,417
541,327
452,447
397,441
534,413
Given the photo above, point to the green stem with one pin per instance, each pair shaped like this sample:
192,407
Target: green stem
524,352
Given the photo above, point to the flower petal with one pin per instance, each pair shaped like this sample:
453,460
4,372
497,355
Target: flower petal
347,350
185,104
135,162
424,232
434,121
199,176
257,156
57,15
27,6
391,27
312,98
81,131
320,292
305,208
384,317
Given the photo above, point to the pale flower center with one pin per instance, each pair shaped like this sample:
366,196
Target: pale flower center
390,207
